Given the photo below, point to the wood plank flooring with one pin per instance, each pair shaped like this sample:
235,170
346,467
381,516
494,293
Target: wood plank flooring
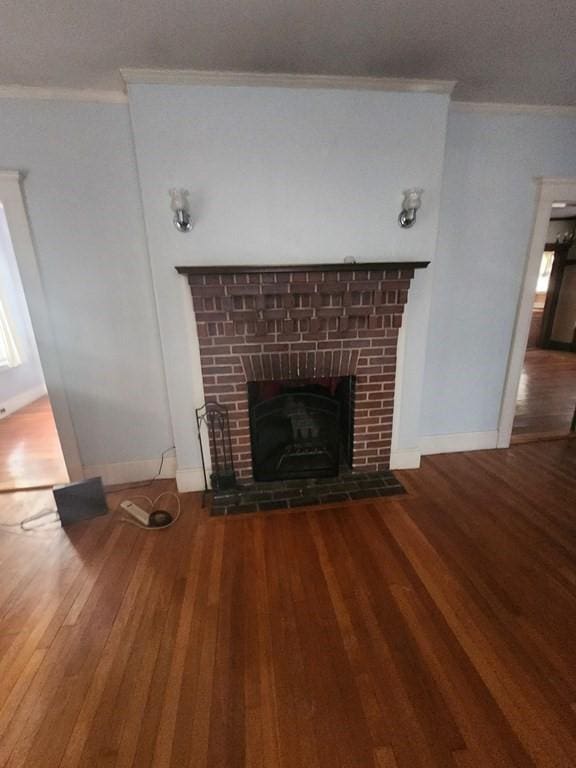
433,630
30,453
546,395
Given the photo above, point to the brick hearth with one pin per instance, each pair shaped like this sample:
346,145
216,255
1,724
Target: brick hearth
257,324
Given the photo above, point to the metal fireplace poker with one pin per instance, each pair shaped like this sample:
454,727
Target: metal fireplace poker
216,419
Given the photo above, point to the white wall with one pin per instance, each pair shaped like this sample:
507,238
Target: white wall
24,383
83,201
488,206
284,175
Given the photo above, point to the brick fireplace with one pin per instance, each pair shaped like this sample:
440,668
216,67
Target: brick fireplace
309,325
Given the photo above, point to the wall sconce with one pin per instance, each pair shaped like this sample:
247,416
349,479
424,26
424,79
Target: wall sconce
181,207
412,201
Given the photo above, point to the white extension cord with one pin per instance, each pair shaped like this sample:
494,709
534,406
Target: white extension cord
138,516
24,524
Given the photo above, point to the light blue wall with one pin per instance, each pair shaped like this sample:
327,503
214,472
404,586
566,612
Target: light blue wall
82,196
488,206
280,175
275,175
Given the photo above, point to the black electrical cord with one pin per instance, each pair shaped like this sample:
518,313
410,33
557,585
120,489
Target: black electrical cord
44,513
147,483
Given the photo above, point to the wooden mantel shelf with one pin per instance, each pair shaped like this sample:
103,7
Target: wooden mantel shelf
340,267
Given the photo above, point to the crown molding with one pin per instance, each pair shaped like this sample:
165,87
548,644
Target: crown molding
555,179
11,175
282,80
513,109
62,94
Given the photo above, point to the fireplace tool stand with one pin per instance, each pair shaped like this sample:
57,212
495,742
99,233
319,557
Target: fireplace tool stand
216,419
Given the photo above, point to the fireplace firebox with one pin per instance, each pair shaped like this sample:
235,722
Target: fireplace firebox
304,360
301,428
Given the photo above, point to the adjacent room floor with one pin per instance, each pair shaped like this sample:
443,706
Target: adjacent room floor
30,453
546,395
431,630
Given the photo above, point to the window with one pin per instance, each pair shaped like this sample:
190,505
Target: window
9,356
545,271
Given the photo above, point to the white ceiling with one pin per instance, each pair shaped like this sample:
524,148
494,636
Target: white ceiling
519,51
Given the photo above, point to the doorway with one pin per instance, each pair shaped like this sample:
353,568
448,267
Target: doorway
546,399
30,451
38,447
540,394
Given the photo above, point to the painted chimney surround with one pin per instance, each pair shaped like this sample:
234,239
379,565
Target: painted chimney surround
310,321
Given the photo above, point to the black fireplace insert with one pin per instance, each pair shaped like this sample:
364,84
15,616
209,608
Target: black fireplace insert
301,428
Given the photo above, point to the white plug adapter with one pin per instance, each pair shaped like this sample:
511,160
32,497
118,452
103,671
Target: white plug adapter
139,514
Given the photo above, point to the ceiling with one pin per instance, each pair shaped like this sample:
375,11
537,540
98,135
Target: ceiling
520,51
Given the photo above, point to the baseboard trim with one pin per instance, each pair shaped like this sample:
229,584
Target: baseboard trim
190,479
458,442
405,459
131,471
21,400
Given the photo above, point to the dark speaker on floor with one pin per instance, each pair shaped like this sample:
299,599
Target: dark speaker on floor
80,501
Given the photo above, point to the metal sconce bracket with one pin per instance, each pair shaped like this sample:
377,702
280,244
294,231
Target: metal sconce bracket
182,220
410,205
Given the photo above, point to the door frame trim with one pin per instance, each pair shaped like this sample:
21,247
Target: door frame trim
12,200
550,190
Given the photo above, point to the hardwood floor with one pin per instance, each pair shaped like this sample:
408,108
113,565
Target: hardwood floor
546,395
433,630
30,453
